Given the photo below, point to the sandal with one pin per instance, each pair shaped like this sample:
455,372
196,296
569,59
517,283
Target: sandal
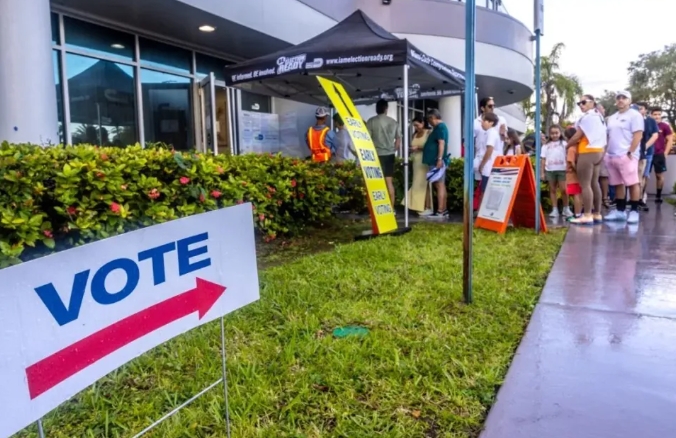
582,221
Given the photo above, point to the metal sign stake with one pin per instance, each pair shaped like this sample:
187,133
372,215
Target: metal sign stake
225,379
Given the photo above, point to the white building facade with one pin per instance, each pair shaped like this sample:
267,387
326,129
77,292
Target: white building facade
117,72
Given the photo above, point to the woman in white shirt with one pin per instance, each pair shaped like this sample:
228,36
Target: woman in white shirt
553,156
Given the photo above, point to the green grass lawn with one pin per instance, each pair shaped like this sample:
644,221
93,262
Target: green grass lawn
430,366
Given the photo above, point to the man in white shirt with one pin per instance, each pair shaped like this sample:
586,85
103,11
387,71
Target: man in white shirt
625,131
486,106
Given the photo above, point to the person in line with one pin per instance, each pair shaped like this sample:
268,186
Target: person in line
488,148
606,193
419,195
487,105
553,157
651,133
345,150
386,135
435,155
625,131
512,144
320,139
663,145
591,141
572,183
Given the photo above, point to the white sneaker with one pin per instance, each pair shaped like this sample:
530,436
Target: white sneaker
554,213
615,216
425,213
567,212
632,218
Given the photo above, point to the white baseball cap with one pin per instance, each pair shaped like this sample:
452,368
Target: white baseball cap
321,112
624,93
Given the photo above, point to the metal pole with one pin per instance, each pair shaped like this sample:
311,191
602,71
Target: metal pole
406,146
225,379
538,128
41,429
468,189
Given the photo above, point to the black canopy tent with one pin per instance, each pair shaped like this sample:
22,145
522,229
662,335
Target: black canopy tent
369,61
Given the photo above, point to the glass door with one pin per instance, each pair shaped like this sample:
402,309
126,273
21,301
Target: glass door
218,117
207,105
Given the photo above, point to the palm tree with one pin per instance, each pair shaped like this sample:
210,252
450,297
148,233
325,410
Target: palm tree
559,91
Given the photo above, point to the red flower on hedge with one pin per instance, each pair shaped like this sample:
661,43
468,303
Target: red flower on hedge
240,202
293,183
71,210
269,196
115,207
100,175
261,217
48,234
201,198
301,195
104,157
271,189
154,194
216,194
279,202
220,169
184,180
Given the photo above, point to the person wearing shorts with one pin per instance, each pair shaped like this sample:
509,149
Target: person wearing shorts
553,156
665,140
625,131
435,155
573,187
385,133
650,136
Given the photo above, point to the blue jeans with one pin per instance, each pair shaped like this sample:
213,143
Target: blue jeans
611,192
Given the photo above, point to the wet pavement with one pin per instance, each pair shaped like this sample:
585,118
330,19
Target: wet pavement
599,356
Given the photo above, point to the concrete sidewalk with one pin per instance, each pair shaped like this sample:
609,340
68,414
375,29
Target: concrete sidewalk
599,357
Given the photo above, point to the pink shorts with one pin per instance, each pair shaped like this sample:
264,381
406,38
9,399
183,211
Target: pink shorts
622,170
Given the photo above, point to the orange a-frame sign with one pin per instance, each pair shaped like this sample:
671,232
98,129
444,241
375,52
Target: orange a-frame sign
510,194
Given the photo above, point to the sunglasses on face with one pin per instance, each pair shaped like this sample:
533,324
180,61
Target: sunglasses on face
491,106
583,102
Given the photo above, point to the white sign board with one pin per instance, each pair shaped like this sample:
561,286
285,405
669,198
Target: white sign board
68,319
259,132
499,193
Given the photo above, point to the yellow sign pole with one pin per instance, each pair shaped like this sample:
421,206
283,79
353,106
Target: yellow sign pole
382,214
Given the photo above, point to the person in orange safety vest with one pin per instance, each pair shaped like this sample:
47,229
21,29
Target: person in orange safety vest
320,138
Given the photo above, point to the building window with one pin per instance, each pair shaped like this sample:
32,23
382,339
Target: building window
255,102
167,114
207,64
98,40
55,29
59,93
161,55
102,105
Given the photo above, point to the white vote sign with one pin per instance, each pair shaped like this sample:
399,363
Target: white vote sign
68,319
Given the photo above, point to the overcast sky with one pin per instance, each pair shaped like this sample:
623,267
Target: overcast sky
601,36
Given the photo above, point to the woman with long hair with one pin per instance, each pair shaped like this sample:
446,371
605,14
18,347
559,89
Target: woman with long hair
591,140
419,195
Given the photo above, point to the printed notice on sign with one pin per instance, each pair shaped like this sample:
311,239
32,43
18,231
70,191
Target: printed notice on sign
68,319
499,194
379,199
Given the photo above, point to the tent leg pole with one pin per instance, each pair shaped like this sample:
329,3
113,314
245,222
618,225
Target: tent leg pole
406,145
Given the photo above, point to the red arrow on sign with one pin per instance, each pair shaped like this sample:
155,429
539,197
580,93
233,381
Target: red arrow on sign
49,372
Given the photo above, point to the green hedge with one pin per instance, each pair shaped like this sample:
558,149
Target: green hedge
58,197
